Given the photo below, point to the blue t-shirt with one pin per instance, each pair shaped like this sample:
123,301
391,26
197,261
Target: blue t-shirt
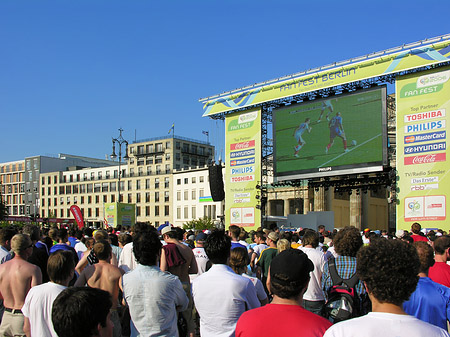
430,302
237,244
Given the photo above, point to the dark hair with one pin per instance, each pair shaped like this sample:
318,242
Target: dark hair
415,228
389,268
33,231
260,235
310,238
77,311
239,259
6,234
146,247
60,266
113,239
234,231
102,249
287,236
125,238
426,256
61,234
347,241
217,247
441,244
101,235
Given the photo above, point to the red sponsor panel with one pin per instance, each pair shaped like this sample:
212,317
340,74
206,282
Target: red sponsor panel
243,145
77,215
425,159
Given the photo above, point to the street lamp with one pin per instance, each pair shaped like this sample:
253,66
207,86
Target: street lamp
119,141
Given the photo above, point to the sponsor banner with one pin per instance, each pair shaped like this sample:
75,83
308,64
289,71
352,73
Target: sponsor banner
120,214
422,165
76,212
425,148
425,159
239,162
435,125
243,167
424,116
425,137
387,62
245,153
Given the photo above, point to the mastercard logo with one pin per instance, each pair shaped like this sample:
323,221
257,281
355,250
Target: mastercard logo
409,139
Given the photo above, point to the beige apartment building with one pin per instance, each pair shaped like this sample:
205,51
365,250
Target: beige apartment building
12,183
146,180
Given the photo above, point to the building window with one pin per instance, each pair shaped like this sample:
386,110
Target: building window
97,199
194,212
186,181
202,179
178,195
166,182
138,197
105,198
147,210
166,196
97,188
193,180
156,210
156,196
130,187
201,193
186,212
147,184
157,183
147,197
178,181
138,211
166,210
138,184
129,198
186,195
178,212
193,194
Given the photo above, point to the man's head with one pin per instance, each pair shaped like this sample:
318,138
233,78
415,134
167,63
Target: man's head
103,250
310,238
217,247
259,237
272,239
289,273
389,270
321,229
62,235
6,234
415,228
82,312
33,231
426,256
347,241
234,231
147,247
442,245
21,245
61,267
200,239
101,235
169,232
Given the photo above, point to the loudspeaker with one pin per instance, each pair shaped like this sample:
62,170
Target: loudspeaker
216,182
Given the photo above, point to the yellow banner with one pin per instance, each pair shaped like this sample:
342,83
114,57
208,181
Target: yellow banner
423,165
243,168
346,72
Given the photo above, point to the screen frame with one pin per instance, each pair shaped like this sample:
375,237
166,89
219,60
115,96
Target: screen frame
329,171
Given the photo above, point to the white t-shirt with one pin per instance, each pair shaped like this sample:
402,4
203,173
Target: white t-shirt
376,324
259,248
127,261
38,308
80,248
260,292
314,291
202,259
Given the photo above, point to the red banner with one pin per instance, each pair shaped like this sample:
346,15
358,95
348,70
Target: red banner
77,214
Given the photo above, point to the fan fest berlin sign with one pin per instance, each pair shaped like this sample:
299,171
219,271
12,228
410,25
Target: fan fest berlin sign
358,69
423,108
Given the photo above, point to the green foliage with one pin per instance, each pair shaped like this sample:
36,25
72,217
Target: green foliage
3,210
200,224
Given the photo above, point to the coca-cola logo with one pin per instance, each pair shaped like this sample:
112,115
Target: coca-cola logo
425,159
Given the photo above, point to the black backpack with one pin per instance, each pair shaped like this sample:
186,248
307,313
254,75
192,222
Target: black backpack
343,301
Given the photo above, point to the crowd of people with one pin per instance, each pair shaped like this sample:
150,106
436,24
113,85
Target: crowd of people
165,281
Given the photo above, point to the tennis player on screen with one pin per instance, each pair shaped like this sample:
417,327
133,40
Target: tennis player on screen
336,130
298,135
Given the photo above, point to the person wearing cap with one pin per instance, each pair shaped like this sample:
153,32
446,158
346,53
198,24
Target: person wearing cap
221,295
287,281
266,257
389,270
365,237
203,263
17,276
440,271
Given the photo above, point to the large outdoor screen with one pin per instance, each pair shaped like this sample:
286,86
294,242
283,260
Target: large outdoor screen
342,134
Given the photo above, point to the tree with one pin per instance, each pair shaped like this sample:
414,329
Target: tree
200,224
3,210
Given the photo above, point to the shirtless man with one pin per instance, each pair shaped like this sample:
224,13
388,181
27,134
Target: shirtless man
17,276
179,260
103,275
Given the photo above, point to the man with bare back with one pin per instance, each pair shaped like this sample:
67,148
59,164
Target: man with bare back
103,275
179,260
17,276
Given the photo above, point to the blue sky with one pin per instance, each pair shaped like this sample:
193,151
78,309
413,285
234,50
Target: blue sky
74,72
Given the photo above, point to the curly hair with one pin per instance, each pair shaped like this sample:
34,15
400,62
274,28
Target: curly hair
389,268
348,241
